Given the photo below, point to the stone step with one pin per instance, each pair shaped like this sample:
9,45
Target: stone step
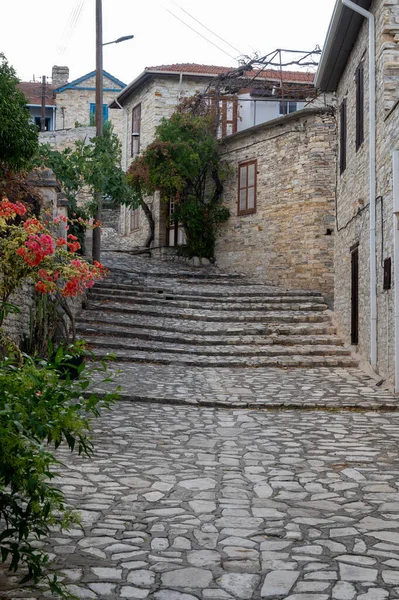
225,329
160,297
237,305
284,313
120,345
87,329
227,361
253,291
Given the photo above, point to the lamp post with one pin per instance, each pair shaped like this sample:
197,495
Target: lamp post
96,250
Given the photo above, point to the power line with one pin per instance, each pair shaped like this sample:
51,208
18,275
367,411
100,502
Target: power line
207,28
200,34
71,25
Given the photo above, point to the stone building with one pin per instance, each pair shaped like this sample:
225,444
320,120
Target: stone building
366,272
280,191
71,105
155,93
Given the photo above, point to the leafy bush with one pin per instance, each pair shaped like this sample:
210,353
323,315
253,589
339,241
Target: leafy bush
183,163
39,411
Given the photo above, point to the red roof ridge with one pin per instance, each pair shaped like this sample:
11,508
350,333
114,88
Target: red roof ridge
202,69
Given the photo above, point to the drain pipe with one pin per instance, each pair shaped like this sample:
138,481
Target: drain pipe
372,179
395,194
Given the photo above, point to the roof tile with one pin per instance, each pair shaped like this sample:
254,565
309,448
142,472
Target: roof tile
295,76
33,92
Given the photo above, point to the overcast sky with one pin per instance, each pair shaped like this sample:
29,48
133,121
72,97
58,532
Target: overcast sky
37,35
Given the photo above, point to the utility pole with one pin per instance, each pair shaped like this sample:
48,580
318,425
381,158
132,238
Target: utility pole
99,119
43,106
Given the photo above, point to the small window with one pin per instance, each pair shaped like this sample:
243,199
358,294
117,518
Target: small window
287,107
136,130
342,137
93,113
359,106
46,123
247,187
135,219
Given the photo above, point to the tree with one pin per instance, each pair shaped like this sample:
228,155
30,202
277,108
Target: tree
183,163
18,135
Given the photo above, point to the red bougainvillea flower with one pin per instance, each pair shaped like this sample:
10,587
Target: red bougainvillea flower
36,248
10,209
73,246
33,226
41,287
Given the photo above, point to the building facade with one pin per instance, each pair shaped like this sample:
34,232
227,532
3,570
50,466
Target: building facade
280,191
154,95
365,268
70,105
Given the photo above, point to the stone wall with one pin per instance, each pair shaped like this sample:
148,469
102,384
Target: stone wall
288,241
353,216
66,138
73,105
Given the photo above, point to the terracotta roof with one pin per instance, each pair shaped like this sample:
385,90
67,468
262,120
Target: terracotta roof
33,92
215,70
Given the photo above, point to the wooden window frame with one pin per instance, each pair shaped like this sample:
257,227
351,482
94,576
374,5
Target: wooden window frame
136,109
359,77
342,135
135,219
246,164
224,121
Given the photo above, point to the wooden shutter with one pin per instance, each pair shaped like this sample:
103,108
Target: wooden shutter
343,137
136,129
247,187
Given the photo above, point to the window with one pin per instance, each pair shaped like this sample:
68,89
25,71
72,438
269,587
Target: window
287,107
93,113
135,219
228,117
342,137
136,130
359,105
46,123
247,187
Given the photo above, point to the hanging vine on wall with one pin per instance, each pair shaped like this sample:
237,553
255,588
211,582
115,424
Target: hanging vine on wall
183,163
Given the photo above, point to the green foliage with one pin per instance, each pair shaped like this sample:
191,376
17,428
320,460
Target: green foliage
41,408
93,167
18,135
183,163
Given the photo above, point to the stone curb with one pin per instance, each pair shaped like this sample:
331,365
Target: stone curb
272,406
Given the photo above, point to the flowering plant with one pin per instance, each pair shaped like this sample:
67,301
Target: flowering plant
30,249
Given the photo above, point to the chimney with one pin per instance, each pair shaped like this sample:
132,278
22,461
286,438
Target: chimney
60,76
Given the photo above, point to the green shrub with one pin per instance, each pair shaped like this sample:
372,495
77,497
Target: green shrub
39,411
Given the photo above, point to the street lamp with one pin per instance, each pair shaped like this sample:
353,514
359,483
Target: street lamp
96,250
119,40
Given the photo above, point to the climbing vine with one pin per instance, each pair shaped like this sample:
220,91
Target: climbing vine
183,163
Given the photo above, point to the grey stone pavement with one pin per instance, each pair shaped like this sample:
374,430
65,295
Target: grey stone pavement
196,503
349,388
207,485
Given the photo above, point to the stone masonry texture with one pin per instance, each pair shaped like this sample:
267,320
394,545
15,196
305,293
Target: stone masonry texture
288,239
353,187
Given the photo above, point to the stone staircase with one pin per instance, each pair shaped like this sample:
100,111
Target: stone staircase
209,320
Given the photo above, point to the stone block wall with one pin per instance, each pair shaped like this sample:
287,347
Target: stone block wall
288,241
73,105
353,212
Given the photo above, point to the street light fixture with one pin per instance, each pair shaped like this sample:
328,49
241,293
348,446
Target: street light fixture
96,250
119,40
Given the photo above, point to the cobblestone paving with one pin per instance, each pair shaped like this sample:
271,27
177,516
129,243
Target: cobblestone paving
214,504
263,387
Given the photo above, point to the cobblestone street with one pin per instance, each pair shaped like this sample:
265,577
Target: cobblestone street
205,484
185,503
